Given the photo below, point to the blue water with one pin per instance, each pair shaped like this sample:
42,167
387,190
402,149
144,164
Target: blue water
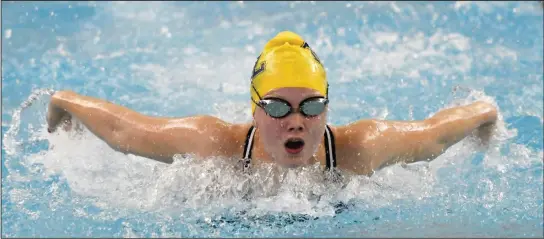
395,61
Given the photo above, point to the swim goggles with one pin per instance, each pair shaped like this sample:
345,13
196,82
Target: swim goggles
279,108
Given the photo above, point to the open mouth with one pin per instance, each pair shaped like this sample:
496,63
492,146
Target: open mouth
294,146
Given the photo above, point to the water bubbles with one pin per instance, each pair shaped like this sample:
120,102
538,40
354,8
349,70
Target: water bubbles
225,24
250,49
394,7
7,33
341,31
165,32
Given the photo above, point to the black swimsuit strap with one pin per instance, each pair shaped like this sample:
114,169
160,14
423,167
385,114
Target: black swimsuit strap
330,150
248,147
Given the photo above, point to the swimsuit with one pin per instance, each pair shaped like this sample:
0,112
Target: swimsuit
330,150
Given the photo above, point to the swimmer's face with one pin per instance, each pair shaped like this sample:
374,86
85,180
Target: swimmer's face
280,135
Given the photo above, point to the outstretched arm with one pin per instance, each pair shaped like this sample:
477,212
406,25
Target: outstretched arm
128,131
381,143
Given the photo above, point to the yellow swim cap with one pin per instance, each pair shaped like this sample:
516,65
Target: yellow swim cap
287,61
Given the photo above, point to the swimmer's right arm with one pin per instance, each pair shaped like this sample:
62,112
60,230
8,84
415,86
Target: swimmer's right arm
156,138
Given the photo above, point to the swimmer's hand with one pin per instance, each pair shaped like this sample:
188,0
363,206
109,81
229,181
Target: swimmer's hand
57,116
480,116
484,133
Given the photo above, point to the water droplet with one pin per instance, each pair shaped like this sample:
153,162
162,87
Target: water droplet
8,33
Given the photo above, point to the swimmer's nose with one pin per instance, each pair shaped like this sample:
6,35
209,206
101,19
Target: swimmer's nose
295,123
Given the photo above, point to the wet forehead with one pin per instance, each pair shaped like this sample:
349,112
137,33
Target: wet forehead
293,95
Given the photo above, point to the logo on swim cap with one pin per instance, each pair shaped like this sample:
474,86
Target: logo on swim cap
256,70
305,45
287,61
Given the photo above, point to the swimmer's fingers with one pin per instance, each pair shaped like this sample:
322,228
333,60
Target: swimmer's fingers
56,116
484,134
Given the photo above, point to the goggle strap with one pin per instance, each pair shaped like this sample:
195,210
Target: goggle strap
254,89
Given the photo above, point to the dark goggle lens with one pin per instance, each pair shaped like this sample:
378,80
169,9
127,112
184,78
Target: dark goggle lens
277,109
313,107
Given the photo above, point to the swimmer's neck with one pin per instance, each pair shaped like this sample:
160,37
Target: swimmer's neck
260,156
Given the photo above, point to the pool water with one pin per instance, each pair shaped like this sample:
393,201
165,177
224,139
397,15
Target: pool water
385,60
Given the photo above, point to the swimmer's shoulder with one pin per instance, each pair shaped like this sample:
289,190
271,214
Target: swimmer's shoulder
235,136
352,151
238,132
349,135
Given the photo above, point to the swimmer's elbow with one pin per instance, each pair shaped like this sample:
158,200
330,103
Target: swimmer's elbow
143,152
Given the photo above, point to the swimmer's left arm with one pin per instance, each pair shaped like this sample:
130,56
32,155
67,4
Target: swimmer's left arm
382,143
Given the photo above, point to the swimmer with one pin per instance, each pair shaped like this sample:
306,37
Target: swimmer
289,102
